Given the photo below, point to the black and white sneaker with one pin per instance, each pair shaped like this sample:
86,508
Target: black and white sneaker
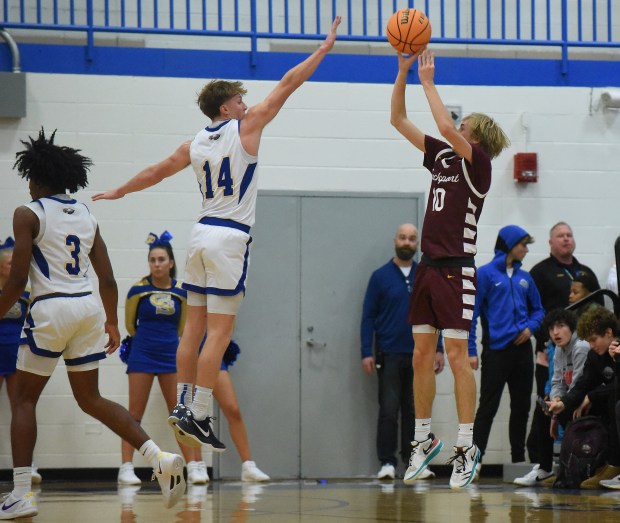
195,433
534,477
464,463
177,413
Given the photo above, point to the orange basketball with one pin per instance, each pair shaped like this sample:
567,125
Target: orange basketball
408,30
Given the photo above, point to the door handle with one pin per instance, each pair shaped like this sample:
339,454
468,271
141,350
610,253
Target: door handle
312,343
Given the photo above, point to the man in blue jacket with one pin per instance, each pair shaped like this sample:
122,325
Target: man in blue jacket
510,310
384,322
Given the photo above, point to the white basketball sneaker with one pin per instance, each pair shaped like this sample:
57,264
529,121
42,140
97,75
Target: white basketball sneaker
24,507
534,477
421,455
127,475
197,473
464,464
250,472
169,474
387,471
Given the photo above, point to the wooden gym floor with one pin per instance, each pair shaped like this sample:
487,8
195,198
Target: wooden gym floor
322,502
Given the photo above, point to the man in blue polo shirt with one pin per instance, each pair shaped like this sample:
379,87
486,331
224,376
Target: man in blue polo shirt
385,325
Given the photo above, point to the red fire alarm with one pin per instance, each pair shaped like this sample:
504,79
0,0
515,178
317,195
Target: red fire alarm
526,167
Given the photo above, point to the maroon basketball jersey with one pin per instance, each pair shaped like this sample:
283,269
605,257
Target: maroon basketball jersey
455,200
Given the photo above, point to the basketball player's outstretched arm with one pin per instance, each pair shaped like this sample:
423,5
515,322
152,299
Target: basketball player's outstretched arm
262,113
150,176
398,109
426,71
25,228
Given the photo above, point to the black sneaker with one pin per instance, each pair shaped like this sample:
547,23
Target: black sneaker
177,413
195,433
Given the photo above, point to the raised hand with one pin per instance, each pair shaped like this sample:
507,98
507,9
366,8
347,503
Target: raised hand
406,61
331,37
426,66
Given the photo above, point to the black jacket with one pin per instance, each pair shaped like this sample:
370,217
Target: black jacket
553,281
596,382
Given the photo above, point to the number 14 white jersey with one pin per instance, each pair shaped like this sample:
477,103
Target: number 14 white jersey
60,261
225,173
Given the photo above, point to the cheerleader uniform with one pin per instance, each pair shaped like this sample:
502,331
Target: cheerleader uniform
10,333
154,317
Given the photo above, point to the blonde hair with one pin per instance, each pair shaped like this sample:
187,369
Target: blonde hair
217,92
488,133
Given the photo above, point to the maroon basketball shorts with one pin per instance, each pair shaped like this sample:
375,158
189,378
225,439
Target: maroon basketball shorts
443,297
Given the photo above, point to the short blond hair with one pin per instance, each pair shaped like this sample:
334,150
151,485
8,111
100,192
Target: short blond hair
488,133
217,92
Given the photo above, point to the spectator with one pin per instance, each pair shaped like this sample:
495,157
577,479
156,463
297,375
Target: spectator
384,322
510,312
581,287
568,362
593,393
553,277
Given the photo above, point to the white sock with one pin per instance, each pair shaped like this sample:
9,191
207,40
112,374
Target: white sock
184,393
150,451
22,481
422,429
201,402
465,436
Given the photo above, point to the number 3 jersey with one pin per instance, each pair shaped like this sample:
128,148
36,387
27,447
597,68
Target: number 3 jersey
458,189
60,262
225,173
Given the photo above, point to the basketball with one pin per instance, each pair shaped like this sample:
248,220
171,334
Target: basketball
408,30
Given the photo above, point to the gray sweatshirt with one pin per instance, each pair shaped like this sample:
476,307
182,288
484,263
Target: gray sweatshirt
568,365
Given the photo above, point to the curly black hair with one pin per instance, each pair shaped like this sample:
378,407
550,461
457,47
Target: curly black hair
53,166
567,317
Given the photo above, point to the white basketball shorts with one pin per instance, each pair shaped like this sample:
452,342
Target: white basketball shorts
71,327
218,260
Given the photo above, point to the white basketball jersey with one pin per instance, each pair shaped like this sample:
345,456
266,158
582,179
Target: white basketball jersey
60,252
225,173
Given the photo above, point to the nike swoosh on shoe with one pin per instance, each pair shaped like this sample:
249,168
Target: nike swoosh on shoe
7,507
206,434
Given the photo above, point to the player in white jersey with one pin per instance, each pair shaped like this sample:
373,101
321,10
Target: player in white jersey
56,240
66,230
231,194
224,157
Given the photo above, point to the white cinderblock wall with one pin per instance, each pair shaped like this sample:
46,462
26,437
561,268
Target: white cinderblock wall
329,137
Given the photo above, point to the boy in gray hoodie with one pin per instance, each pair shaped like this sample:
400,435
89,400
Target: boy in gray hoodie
568,362
570,357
